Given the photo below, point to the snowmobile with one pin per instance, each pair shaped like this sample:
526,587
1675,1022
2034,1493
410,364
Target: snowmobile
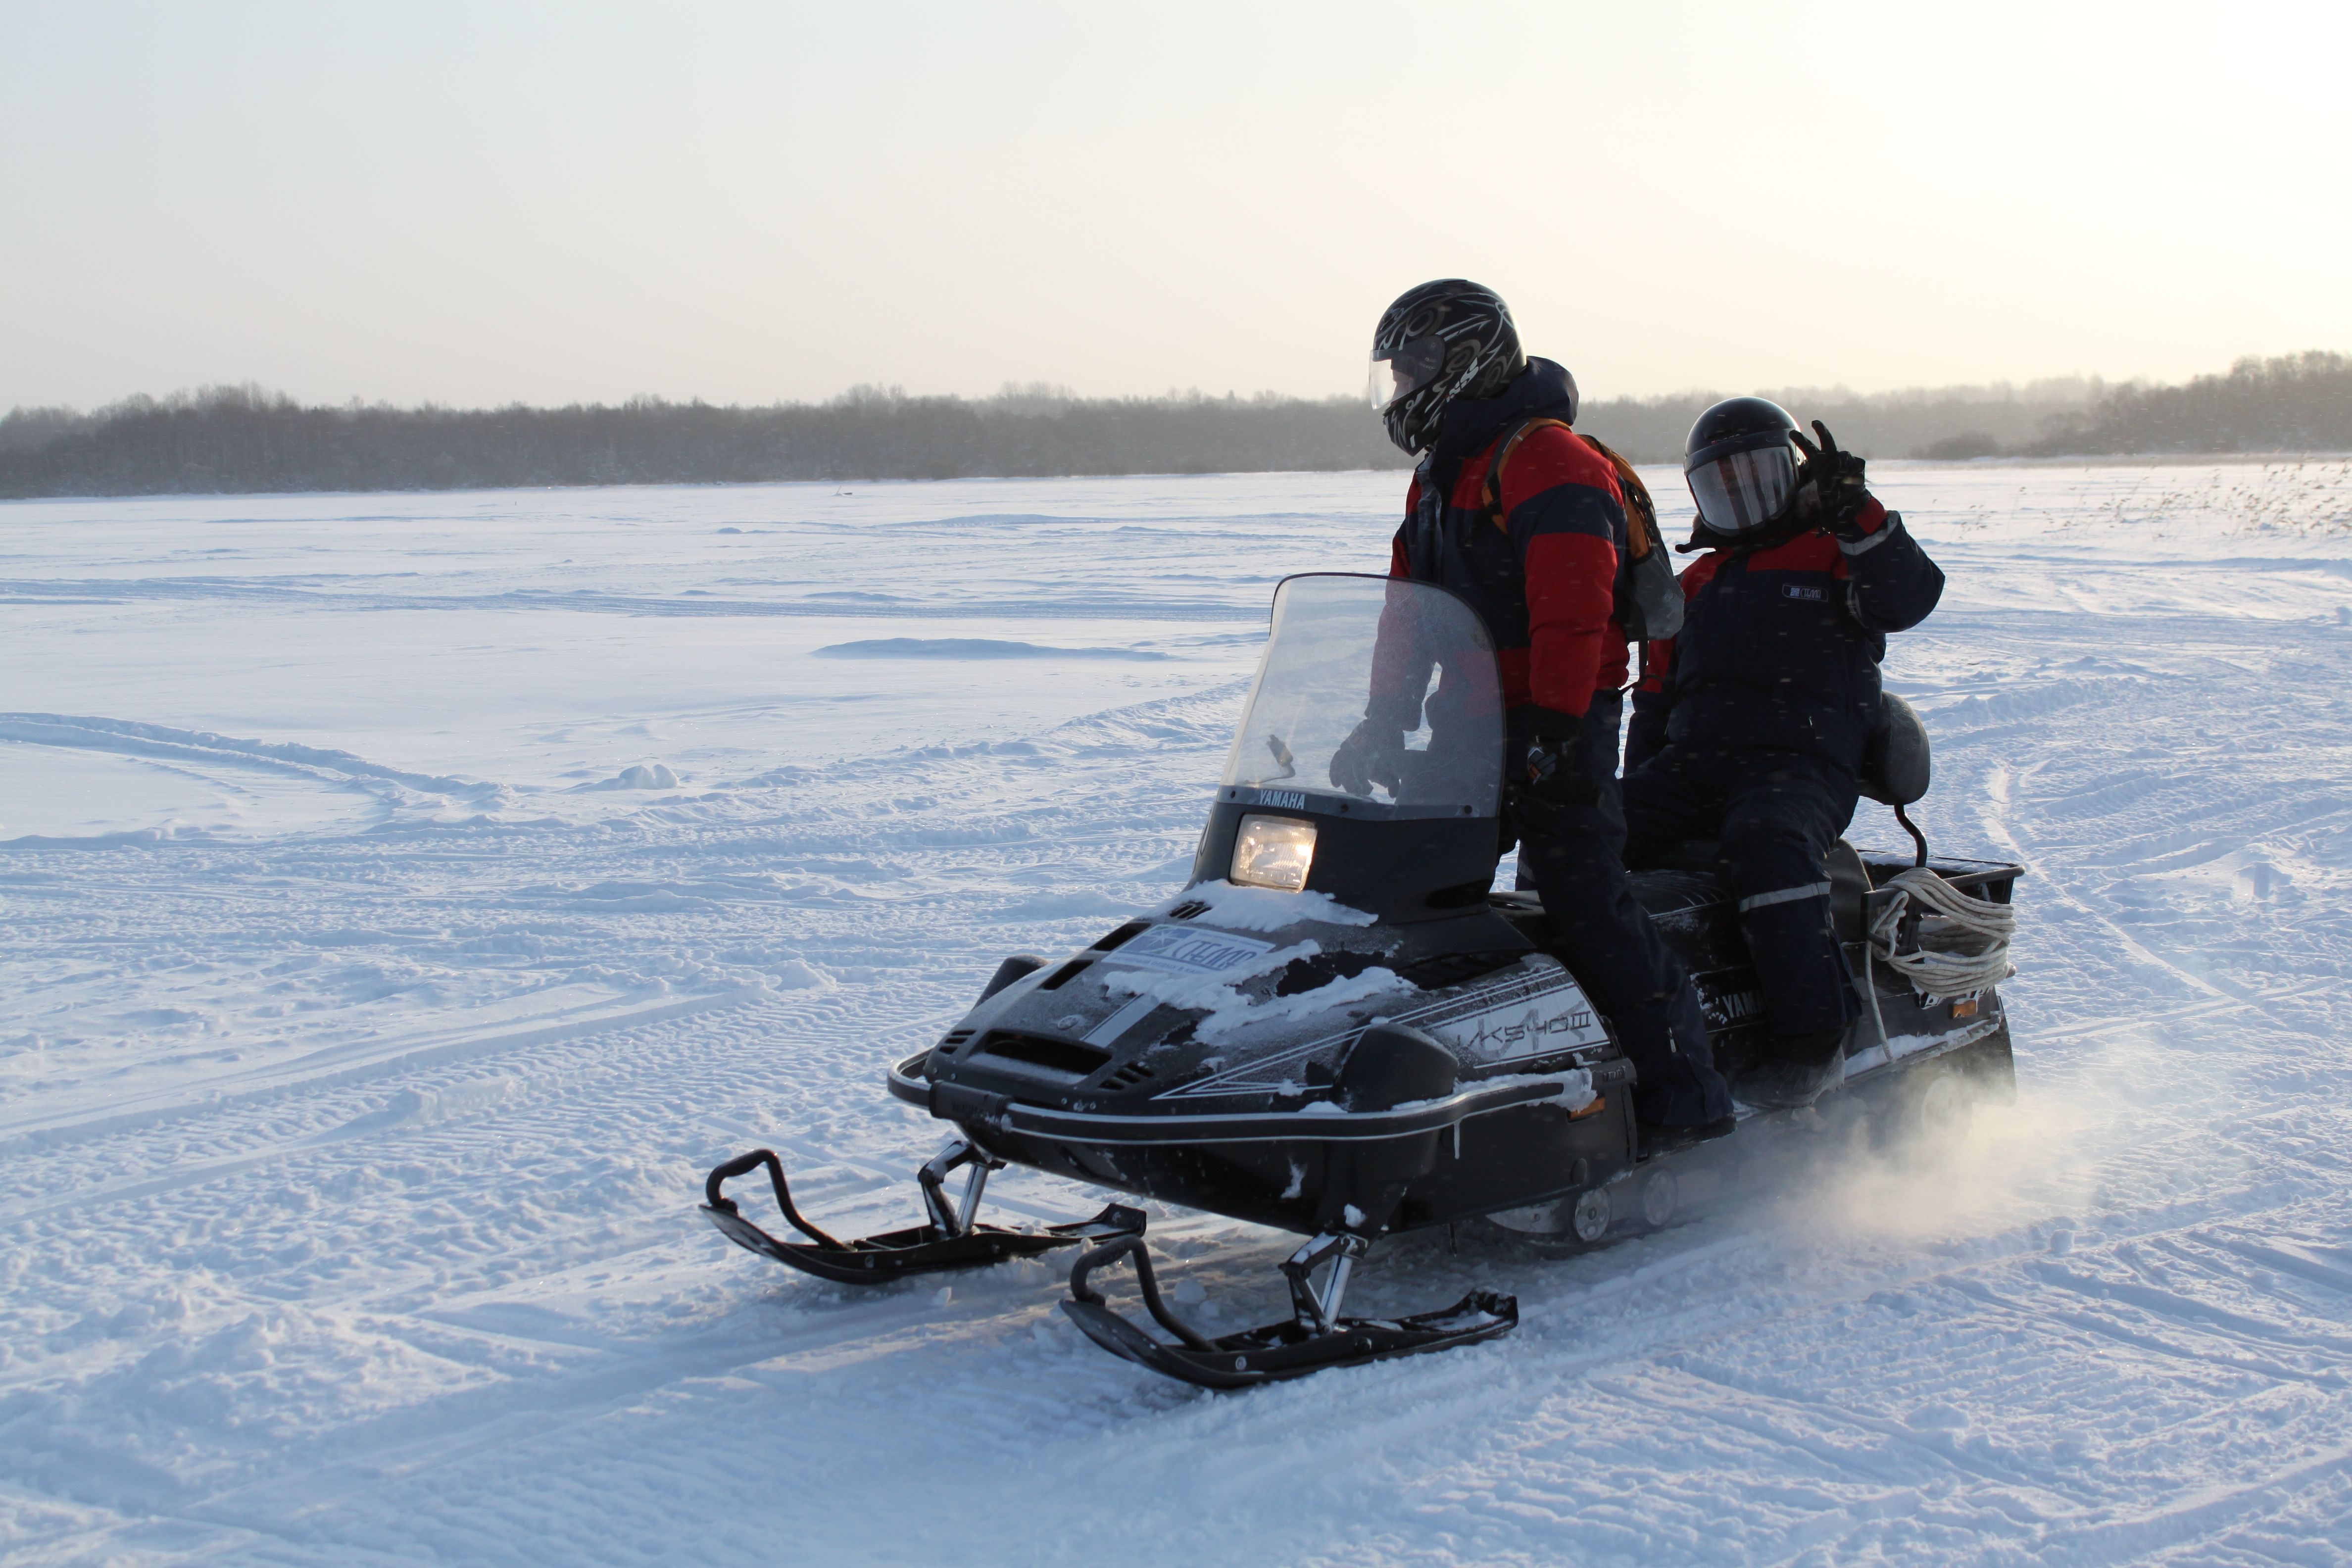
1341,1029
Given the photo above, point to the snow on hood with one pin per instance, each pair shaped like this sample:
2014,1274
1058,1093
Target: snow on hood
1236,908
1229,1010
1576,1090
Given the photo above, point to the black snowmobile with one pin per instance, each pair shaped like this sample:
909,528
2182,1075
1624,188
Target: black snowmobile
1339,1030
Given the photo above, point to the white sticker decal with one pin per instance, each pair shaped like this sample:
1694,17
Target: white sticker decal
1542,1027
1533,1010
1187,950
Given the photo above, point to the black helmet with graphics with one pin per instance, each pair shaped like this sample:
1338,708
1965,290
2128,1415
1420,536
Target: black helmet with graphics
1443,341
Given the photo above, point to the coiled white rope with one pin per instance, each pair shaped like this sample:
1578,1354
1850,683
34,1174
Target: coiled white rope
1963,942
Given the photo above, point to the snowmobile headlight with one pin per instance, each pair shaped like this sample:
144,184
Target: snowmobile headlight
1273,852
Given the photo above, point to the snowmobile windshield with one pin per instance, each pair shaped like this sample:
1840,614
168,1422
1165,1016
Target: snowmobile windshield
1374,691
1742,492
1404,370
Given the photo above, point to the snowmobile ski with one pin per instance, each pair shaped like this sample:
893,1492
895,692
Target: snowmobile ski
1315,1337
952,1240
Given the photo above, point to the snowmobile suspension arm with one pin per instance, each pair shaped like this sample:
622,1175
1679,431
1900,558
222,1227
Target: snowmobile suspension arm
954,1220
742,1165
1319,1311
1132,1245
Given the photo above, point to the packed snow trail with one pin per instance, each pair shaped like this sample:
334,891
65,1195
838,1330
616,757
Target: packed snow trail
404,899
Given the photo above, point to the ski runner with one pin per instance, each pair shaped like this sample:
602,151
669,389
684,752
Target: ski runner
1544,565
1751,725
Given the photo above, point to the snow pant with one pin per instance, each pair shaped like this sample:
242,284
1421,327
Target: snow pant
1574,857
1775,815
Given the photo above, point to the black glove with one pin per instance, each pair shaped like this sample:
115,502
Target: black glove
1834,478
1373,753
1552,772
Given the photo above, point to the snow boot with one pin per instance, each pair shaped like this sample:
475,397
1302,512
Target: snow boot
1796,1070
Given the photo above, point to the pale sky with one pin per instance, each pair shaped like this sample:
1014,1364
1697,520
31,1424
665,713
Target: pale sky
481,203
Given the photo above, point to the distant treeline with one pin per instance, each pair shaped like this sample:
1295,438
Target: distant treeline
242,439
1948,422
2301,403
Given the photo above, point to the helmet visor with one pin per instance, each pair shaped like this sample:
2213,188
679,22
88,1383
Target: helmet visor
1404,370
1742,492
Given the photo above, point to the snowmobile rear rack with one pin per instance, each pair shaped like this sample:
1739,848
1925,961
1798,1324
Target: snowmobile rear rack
1312,1338
952,1240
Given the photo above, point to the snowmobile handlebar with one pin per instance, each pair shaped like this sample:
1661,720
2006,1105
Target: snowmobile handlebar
743,1165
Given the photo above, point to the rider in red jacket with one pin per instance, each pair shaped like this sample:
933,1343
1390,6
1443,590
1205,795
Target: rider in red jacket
1539,550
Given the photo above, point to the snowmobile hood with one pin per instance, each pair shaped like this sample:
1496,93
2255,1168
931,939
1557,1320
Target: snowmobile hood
1218,1002
1232,997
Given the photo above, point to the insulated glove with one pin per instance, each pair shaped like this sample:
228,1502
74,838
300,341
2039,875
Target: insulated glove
1834,478
1373,753
1551,772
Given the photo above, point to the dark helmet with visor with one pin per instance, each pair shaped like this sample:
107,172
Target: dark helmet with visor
1741,466
1440,342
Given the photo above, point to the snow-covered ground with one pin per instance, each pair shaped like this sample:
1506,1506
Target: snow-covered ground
404,898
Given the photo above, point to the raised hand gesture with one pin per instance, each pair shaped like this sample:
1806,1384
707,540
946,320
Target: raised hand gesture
1834,475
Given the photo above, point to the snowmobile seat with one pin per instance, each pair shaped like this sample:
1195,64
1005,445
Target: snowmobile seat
1699,856
1848,878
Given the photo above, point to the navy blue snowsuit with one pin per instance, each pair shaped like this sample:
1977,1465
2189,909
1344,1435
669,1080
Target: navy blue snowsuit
1750,729
1545,570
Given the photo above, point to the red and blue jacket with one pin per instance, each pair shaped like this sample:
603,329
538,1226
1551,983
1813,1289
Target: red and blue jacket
1545,582
1780,644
